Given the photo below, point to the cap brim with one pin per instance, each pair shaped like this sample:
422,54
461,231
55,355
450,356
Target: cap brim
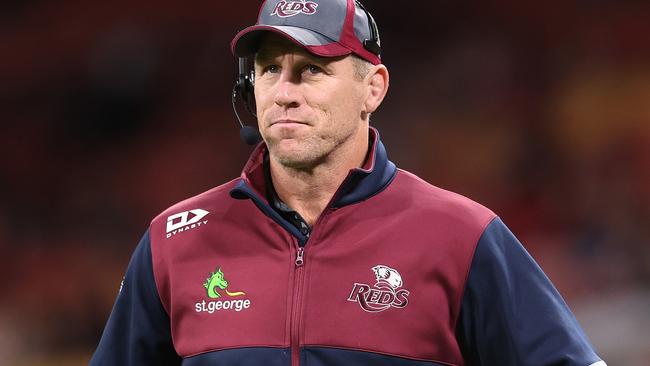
247,41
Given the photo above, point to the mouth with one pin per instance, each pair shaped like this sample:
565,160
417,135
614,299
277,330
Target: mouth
287,123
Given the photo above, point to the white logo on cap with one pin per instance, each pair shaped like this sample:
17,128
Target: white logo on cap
285,9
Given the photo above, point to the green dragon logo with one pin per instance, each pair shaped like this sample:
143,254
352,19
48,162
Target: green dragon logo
215,280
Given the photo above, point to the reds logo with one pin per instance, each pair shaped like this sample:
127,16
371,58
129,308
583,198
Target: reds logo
384,294
286,9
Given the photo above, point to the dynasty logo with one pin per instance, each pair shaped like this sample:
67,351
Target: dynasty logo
184,221
213,284
385,293
285,9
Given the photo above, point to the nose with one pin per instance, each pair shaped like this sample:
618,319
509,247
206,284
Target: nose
287,94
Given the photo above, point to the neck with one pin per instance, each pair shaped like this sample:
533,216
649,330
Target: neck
309,191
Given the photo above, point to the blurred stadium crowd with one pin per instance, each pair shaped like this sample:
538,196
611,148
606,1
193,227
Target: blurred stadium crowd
112,111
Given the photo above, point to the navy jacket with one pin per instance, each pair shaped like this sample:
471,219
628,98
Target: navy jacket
396,272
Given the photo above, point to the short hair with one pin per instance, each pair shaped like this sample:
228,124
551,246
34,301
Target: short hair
361,67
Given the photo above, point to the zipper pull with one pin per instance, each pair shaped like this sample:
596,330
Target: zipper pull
299,258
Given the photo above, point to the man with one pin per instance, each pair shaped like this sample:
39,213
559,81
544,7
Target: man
323,252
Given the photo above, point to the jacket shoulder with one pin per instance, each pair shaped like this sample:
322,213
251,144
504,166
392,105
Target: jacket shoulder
212,200
452,207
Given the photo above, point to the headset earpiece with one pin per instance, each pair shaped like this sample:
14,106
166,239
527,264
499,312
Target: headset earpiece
244,87
374,43
246,84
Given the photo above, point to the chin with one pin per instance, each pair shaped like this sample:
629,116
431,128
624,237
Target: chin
291,158
296,158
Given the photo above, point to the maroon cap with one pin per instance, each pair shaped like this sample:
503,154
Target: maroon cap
327,28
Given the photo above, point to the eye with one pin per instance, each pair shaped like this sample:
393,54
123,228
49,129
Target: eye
313,69
272,69
267,69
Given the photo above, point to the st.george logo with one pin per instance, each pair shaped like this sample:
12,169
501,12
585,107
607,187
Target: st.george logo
216,280
385,293
286,9
184,221
215,283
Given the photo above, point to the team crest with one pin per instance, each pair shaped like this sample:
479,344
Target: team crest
285,9
387,291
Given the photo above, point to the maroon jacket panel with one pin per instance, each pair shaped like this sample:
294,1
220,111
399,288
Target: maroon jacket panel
253,254
428,236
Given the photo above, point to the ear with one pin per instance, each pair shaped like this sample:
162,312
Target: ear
377,83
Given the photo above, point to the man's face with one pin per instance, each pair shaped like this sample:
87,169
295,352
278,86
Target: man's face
307,106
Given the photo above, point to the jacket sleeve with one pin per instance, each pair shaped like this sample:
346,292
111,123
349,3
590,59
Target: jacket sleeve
138,329
511,314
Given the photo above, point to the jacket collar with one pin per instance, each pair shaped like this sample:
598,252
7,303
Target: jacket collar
360,183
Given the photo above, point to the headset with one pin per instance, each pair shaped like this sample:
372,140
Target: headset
373,44
244,88
245,83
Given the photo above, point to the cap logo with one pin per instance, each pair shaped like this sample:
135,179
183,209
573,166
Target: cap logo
285,9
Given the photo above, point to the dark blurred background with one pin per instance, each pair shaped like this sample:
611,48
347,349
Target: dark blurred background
112,111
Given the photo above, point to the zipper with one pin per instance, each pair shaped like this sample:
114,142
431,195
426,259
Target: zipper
295,310
299,279
300,257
